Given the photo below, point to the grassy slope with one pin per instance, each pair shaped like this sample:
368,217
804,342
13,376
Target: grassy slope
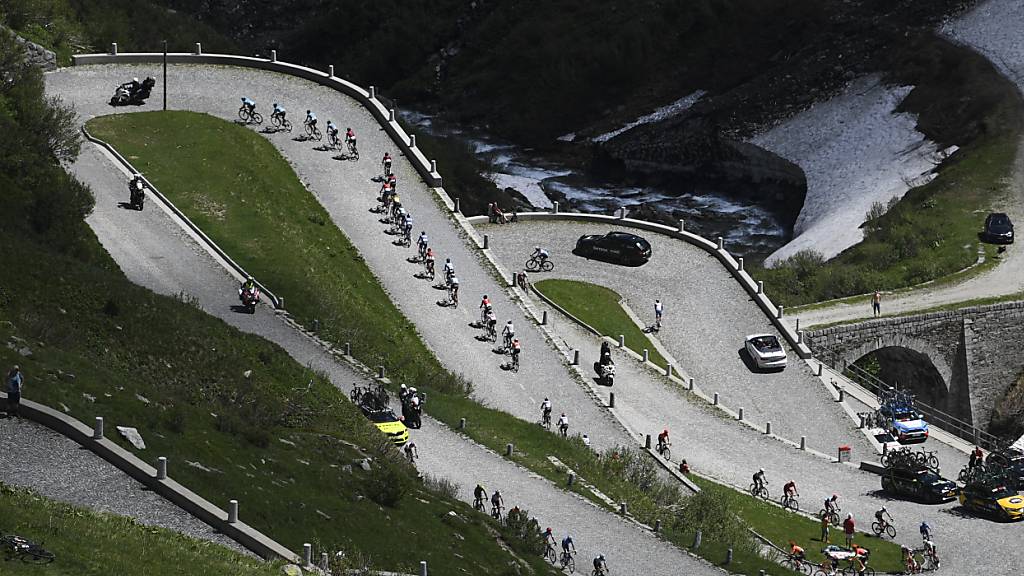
89,544
599,307
179,132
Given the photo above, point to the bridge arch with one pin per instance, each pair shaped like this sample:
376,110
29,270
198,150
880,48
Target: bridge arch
895,340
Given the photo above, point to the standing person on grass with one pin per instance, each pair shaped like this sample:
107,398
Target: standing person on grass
849,528
15,380
876,303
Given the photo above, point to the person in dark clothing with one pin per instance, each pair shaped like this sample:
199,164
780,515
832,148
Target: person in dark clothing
15,381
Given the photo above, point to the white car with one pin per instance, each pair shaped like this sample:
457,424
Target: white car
766,351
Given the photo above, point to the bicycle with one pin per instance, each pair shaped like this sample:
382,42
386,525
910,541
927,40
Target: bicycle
332,140
535,264
492,334
515,363
545,420
549,553
665,450
833,515
758,491
353,152
797,565
281,122
599,572
249,116
496,512
929,560
883,527
567,561
790,502
29,552
478,504
313,132
563,429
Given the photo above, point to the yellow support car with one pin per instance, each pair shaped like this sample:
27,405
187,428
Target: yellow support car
390,425
999,502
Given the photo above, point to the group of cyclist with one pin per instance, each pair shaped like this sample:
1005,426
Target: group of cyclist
545,418
279,116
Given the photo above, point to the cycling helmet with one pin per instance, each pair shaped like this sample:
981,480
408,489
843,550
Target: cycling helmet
834,496
509,322
412,389
665,431
761,470
135,79
249,277
548,530
883,509
275,104
403,386
545,398
601,557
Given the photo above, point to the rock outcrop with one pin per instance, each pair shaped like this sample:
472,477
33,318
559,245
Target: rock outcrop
36,54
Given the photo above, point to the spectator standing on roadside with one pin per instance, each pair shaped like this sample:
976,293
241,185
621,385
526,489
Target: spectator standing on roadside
659,309
849,528
684,468
876,303
824,528
15,380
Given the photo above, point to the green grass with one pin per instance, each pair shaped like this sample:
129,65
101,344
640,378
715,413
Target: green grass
599,308
89,544
276,210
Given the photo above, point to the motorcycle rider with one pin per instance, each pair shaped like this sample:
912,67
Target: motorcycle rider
136,190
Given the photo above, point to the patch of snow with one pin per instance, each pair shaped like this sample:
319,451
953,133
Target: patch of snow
855,151
570,137
666,111
525,180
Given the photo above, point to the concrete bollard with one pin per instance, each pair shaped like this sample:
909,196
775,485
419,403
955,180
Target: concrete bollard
199,48
799,336
232,511
622,212
657,524
457,208
161,468
113,48
373,89
611,399
509,449
487,241
780,311
681,226
544,317
690,384
721,243
760,286
767,427
391,114
575,357
760,573
316,325
668,370
273,55
820,368
330,73
647,441
740,415
554,208
380,371
728,556
462,423
797,324
423,568
696,540
842,394
348,348
412,140
647,355
307,554
739,264
325,561
803,442
280,302
622,508
622,340
714,401
97,428
433,166
571,480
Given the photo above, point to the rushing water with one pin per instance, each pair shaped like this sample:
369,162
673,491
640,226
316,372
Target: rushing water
747,228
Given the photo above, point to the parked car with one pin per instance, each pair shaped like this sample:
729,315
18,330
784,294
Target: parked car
766,351
905,423
1012,461
615,247
919,484
391,425
998,229
999,502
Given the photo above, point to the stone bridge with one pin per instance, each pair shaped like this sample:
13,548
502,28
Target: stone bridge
961,362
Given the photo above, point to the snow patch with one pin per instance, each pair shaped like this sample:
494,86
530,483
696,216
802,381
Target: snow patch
527,183
667,111
570,137
855,151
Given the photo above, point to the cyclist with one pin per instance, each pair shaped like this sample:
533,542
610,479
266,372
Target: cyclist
600,566
568,546
485,306
926,531
909,561
789,490
859,562
453,289
449,269
832,505
279,112
508,333
540,254
429,263
516,349
496,504
549,538
759,480
422,242
310,121
393,180
479,495
407,229
663,440
492,321
350,137
931,552
248,104
332,132
386,163
880,516
563,424
545,410
796,553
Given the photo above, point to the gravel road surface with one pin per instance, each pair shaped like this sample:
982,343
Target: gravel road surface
33,456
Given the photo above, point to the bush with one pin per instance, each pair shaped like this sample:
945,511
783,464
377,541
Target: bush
523,533
708,511
387,482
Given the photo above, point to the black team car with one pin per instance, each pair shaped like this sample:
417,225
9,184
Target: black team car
919,484
1011,461
615,247
998,229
